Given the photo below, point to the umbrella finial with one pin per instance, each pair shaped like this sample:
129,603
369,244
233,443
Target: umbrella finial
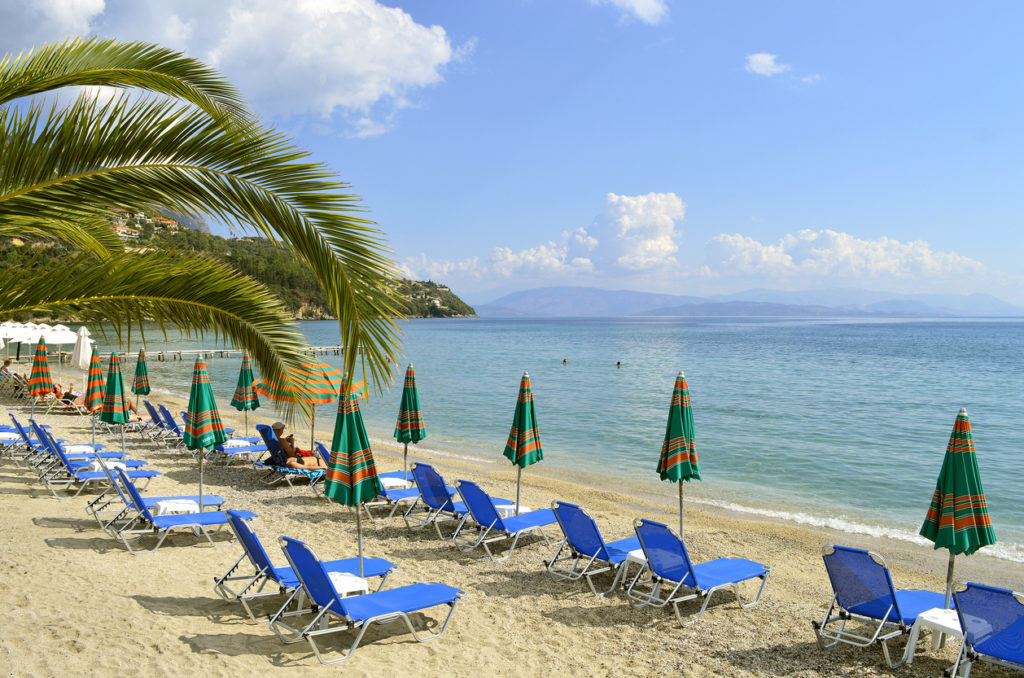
963,411
526,375
680,375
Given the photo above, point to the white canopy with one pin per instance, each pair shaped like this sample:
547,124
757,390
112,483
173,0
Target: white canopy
59,334
82,354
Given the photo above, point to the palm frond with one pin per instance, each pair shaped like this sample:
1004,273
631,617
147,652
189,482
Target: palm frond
94,61
91,155
193,293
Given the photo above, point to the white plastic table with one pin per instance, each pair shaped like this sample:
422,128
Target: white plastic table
937,620
391,483
348,584
509,510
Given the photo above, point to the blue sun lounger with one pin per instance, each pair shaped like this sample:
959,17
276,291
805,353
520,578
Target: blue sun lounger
864,593
993,623
587,553
145,523
359,612
668,561
491,527
435,499
277,470
65,475
281,579
113,513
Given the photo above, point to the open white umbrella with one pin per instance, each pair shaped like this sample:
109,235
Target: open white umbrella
58,335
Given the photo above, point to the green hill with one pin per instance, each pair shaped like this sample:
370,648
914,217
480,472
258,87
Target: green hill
269,262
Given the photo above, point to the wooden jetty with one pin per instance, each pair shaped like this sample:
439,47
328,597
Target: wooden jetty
312,351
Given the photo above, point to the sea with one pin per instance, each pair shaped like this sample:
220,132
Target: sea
832,422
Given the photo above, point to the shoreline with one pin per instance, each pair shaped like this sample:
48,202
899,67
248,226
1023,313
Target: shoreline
514,618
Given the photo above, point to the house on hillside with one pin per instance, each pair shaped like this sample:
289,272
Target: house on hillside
126,232
168,224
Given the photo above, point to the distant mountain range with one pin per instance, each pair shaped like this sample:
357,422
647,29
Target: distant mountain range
563,302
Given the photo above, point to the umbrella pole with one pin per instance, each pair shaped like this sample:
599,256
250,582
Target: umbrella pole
680,509
405,463
122,442
949,592
312,430
519,478
94,431
200,479
359,533
246,413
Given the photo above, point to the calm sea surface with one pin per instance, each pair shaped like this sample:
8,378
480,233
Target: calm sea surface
833,422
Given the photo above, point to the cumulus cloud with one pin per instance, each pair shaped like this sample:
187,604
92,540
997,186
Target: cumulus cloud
633,235
648,11
763,63
354,60
826,254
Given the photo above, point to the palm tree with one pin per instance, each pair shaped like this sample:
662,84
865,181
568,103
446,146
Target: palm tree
189,145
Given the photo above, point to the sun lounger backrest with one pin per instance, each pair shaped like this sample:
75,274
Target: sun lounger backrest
314,578
251,543
22,431
480,505
665,552
277,455
323,452
985,612
133,497
859,577
431,487
169,419
154,416
581,530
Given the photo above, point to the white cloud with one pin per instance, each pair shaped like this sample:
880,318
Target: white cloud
764,64
648,11
810,79
819,255
355,60
633,236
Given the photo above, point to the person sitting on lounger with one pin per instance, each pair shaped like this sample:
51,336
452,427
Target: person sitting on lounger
297,458
6,369
72,398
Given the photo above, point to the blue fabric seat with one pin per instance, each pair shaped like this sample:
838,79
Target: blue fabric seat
668,561
435,499
491,527
993,624
63,475
359,612
286,582
275,464
864,592
144,523
586,552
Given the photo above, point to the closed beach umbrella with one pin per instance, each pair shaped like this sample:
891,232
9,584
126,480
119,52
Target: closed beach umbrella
410,427
245,397
81,355
351,472
114,409
314,383
94,389
204,429
958,517
523,447
39,381
678,461
140,384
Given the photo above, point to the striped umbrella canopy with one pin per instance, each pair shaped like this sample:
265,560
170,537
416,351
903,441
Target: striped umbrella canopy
114,409
94,389
94,383
314,383
140,384
410,427
204,429
245,397
523,447
678,460
957,517
39,381
351,472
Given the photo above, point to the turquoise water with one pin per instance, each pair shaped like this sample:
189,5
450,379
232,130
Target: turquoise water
831,422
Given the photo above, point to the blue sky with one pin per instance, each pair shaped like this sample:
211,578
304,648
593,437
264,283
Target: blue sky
637,144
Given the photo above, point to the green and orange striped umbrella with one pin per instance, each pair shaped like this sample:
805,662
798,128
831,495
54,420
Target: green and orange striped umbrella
94,389
114,409
140,384
245,397
410,427
523,447
678,461
957,517
94,383
39,381
204,429
314,383
351,472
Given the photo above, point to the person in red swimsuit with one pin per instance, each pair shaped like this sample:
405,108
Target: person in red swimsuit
297,458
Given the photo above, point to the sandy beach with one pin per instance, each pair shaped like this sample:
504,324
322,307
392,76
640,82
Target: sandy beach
77,602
